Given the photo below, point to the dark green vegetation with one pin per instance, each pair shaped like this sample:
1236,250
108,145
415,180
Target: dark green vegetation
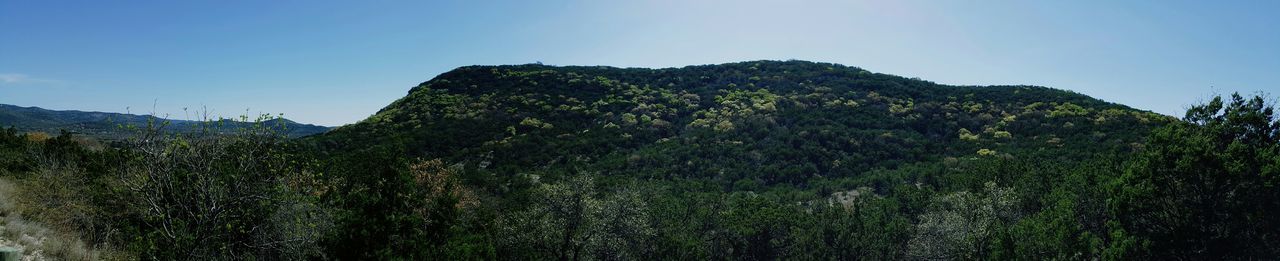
105,125
754,160
743,127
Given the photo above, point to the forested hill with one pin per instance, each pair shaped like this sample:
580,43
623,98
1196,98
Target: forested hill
112,125
742,125
745,161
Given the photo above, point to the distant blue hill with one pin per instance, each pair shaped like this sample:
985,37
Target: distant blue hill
110,125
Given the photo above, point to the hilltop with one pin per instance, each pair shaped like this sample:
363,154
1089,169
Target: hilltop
743,124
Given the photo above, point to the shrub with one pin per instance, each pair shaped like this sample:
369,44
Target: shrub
202,196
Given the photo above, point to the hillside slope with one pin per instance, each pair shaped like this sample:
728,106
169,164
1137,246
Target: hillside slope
742,124
108,125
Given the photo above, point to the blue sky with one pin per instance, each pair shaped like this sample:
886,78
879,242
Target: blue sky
336,62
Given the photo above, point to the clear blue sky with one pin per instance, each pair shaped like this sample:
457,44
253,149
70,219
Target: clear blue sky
336,62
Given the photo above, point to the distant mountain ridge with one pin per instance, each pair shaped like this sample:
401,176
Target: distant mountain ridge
108,124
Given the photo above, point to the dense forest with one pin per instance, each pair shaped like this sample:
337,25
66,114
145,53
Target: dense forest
743,161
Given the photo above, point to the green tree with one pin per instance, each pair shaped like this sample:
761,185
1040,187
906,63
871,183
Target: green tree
1206,188
964,225
869,228
569,221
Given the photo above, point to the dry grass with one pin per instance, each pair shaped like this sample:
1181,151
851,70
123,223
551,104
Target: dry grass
36,241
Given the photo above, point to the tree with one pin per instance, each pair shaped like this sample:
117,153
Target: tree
1206,188
392,209
963,225
868,228
569,221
